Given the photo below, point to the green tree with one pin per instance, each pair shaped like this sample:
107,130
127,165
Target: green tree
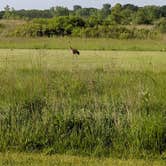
126,16
130,7
93,21
7,12
61,11
147,15
163,11
161,25
106,10
116,16
86,12
2,14
127,12
153,12
76,7
141,17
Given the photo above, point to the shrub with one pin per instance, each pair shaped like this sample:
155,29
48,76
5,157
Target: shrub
161,25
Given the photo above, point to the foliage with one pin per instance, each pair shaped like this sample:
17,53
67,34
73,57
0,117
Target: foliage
1,14
78,27
87,22
76,7
163,11
147,15
59,26
61,11
118,14
105,11
29,14
86,12
161,25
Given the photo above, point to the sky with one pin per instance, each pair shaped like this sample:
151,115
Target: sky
46,4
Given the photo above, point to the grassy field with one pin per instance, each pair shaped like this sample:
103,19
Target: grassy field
85,43
63,60
103,103
26,159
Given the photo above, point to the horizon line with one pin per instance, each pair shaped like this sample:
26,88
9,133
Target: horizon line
79,5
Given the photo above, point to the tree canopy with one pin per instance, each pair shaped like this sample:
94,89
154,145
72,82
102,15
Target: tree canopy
117,14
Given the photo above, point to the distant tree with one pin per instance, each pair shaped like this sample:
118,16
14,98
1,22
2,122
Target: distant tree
163,11
153,12
7,12
61,11
161,25
7,8
106,10
52,10
30,14
116,16
76,7
117,8
147,15
2,14
86,12
141,17
93,21
126,16
107,7
130,7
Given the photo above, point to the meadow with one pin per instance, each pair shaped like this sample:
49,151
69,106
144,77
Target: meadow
101,104
84,43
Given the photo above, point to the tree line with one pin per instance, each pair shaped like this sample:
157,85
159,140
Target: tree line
108,21
118,14
78,27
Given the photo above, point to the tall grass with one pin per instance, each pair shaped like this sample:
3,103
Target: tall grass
98,111
26,159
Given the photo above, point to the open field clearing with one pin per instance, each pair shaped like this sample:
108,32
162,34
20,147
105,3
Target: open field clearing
64,60
103,103
23,159
85,43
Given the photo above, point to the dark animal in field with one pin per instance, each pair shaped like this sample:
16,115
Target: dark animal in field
74,51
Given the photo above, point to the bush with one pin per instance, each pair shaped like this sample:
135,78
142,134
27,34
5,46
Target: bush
58,26
75,26
115,32
161,25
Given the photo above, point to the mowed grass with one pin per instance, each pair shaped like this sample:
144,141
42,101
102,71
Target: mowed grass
103,103
26,159
64,60
84,43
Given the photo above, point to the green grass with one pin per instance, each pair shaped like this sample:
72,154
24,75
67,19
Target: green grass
84,44
63,60
23,159
103,103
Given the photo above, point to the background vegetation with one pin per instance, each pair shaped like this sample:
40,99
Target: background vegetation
110,22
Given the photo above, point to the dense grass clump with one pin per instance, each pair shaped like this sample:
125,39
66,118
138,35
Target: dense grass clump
99,111
86,112
26,159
